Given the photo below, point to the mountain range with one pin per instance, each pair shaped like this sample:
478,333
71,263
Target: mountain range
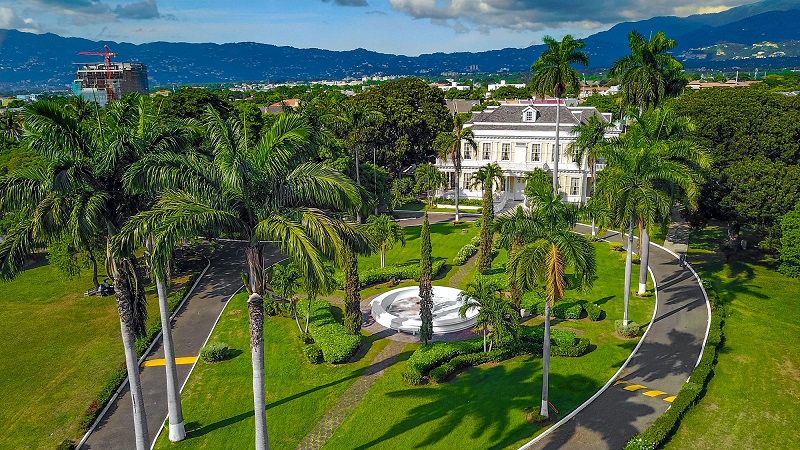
762,35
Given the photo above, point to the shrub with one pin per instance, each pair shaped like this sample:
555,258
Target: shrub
616,246
441,373
631,330
461,201
336,344
790,243
635,259
214,352
558,338
535,417
306,338
464,254
475,241
411,377
66,444
313,353
567,310
377,275
105,395
429,356
593,312
574,350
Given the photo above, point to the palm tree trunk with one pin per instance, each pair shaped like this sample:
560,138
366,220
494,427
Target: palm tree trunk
122,294
628,269
352,298
255,307
484,340
458,178
383,257
544,410
94,268
594,188
358,182
644,259
177,431
556,150
310,299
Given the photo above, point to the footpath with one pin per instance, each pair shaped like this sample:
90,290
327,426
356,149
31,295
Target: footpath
191,326
668,353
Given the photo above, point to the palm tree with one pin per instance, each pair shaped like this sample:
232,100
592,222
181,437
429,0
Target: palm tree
513,228
449,145
553,73
545,261
271,192
353,122
487,177
649,73
425,288
286,280
386,232
589,136
641,182
496,317
79,193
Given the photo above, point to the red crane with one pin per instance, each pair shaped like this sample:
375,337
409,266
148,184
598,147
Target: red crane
107,55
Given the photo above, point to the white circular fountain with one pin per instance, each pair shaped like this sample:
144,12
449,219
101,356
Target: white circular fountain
398,309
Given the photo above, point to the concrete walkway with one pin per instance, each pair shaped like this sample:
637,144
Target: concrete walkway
667,355
192,325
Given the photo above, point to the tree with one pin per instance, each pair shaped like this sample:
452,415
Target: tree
589,136
425,288
643,178
385,232
355,124
486,177
513,228
790,243
496,317
286,280
429,179
271,192
649,73
79,192
553,73
545,261
449,145
191,103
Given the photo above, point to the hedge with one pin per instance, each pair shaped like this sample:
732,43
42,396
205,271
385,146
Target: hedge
476,240
567,310
573,350
313,353
439,374
461,201
630,330
464,254
616,246
656,434
377,275
593,312
336,344
214,352
429,356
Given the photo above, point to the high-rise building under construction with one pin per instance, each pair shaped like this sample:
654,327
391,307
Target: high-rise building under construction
103,82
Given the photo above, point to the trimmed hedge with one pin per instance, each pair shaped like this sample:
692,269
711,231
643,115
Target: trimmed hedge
313,353
567,310
574,350
657,434
464,254
434,354
616,246
476,240
630,330
214,352
461,201
336,344
442,372
593,312
377,275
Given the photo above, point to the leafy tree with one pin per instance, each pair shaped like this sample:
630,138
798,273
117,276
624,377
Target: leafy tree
505,92
286,280
414,114
271,192
191,103
385,232
449,145
790,243
425,288
553,73
553,250
428,180
649,73
496,317
605,103
487,177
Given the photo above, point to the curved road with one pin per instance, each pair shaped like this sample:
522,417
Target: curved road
667,355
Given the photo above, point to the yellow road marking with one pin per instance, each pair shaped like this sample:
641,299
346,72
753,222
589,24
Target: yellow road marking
654,393
634,387
620,382
670,399
163,362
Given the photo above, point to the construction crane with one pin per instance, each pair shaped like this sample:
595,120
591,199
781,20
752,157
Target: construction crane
107,55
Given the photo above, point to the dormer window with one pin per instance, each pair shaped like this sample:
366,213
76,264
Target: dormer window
530,115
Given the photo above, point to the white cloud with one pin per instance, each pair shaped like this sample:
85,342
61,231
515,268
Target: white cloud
9,19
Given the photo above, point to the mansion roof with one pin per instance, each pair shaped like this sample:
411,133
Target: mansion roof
511,117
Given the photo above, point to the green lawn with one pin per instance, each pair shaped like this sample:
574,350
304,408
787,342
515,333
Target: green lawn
58,349
483,407
753,399
218,401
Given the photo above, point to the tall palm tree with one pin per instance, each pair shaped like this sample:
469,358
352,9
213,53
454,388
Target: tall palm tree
649,73
450,146
496,317
271,192
385,232
641,182
514,227
353,122
80,193
546,260
589,136
487,177
553,73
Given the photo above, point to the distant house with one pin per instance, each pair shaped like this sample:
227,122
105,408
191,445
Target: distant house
494,87
521,137
460,106
701,84
280,106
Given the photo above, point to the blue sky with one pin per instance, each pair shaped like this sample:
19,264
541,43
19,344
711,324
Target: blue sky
409,27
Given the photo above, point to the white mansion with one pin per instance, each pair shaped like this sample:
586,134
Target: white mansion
520,137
